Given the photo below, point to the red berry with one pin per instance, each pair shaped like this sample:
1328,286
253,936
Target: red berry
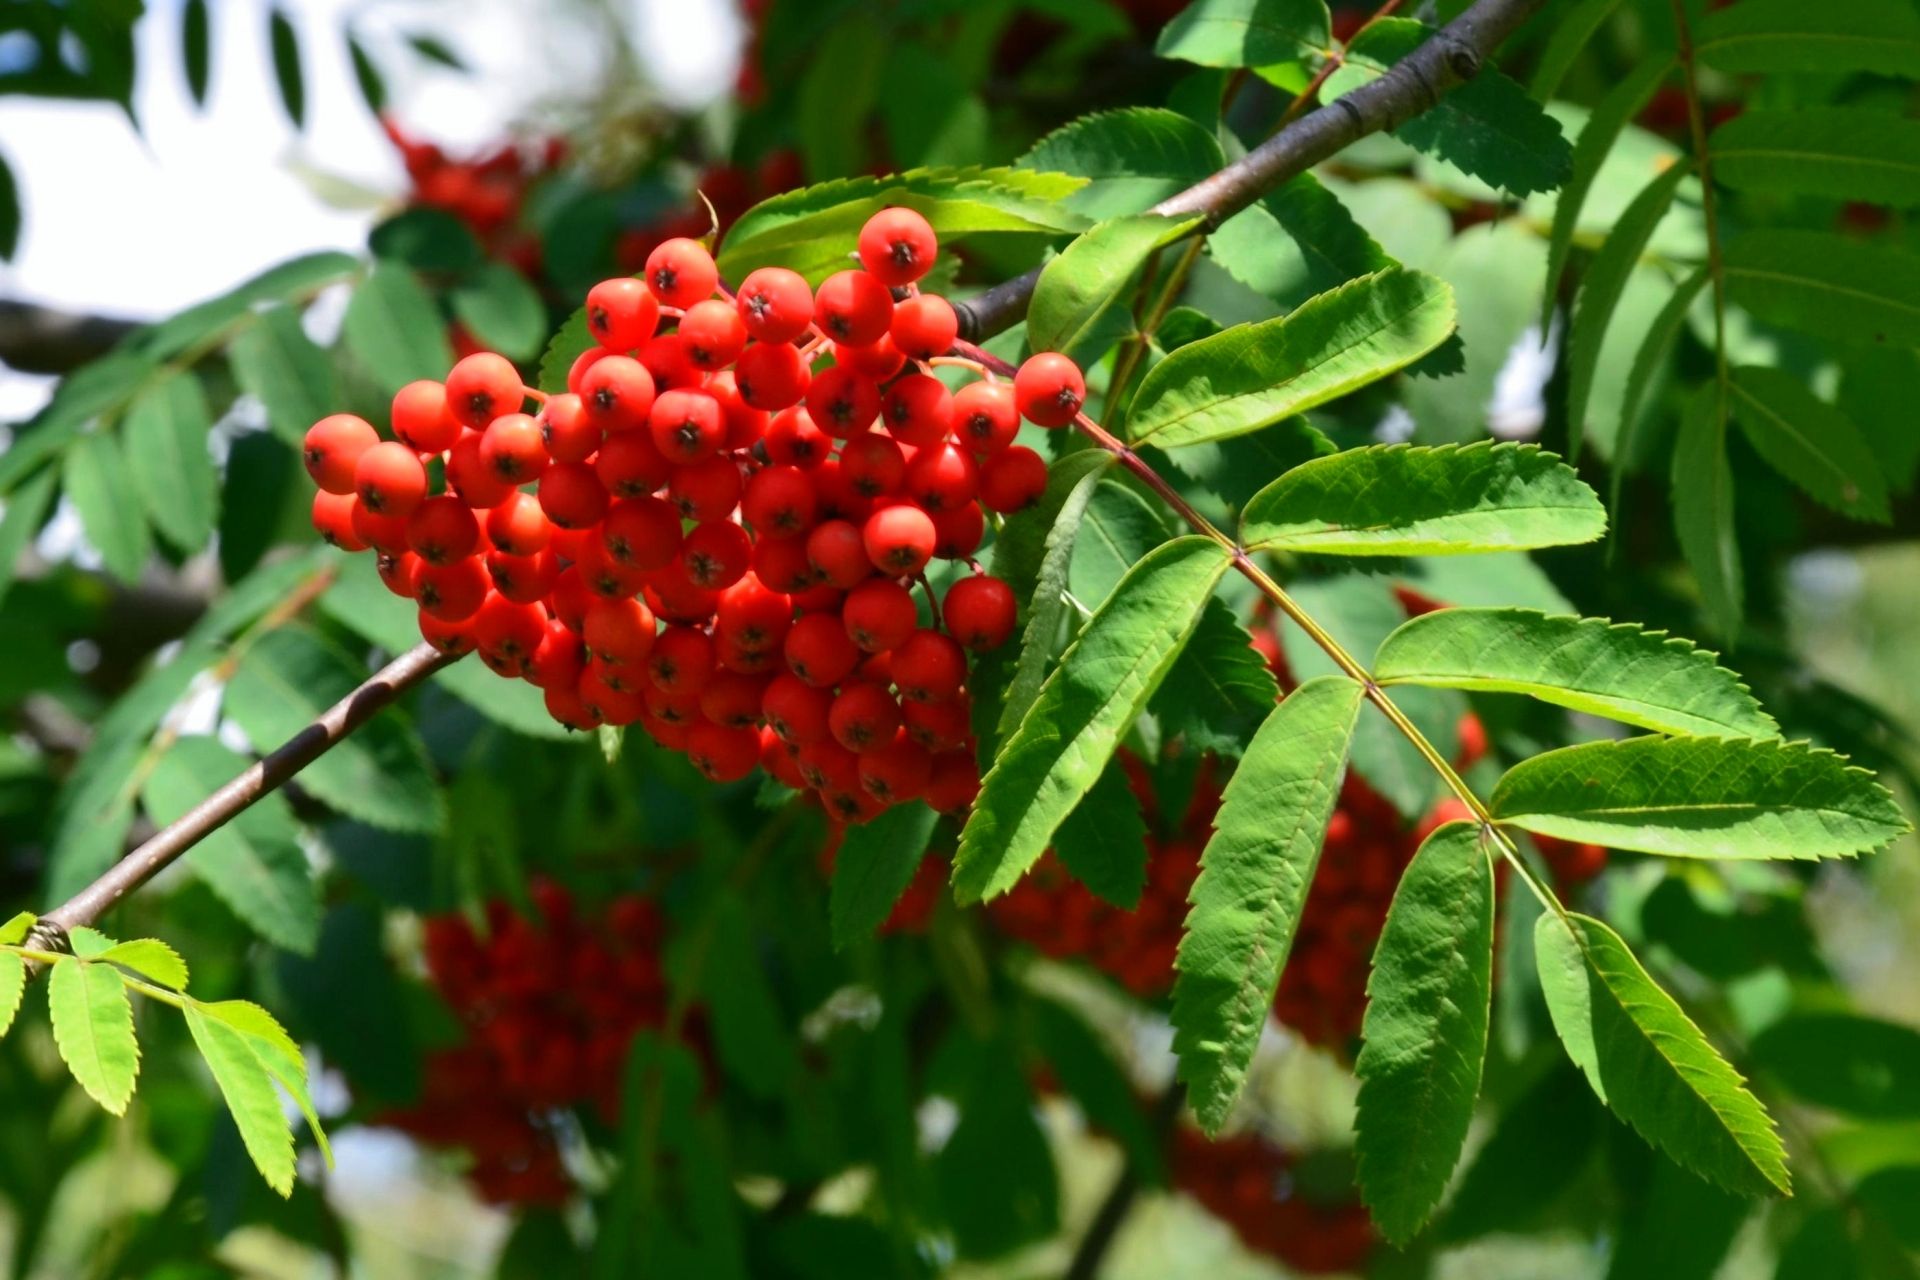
386,532
879,614
714,334
942,477
512,448
572,495
621,314
421,418
669,359
606,704
732,698
559,660
818,651
478,485
924,326
1012,479
687,425
1049,389
396,571
751,618
390,480
617,394
929,667
897,771
629,466
899,540
569,434
794,440
872,464
779,502
876,361
745,424
509,634
451,592
523,579
716,555
619,632
938,726
681,661
980,612
838,555
828,766
642,533
842,402
571,598
482,387
897,246
567,707
918,410
775,304
721,753
442,530
581,363
957,533
681,272
333,520
676,598
518,526
796,710
782,564
606,577
448,637
772,375
853,307
954,782
333,449
863,715
985,417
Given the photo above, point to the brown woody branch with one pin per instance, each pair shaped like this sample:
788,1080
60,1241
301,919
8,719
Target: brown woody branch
1410,87
36,339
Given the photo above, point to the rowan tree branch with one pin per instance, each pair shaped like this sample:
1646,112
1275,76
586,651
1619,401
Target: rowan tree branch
1410,87
37,339
220,808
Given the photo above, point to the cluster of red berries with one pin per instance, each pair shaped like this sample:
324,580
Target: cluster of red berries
550,1008
1250,1184
770,478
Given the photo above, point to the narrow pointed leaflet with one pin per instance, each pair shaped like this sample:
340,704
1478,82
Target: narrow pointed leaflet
1253,882
1428,1001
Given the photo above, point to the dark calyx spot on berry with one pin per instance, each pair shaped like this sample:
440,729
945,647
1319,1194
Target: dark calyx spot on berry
1066,399
758,304
978,425
900,558
839,326
867,486
371,498
703,569
903,254
841,411
313,456
604,397
846,805
597,319
480,405
687,435
664,279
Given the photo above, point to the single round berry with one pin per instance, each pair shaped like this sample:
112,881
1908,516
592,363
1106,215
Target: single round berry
619,632
1049,389
938,726
421,418
751,618
775,304
687,425
918,410
478,485
617,394
979,612
482,387
873,465
818,651
732,698
772,375
723,754
451,592
954,783
896,772
924,326
333,449
863,715
569,434
899,540
929,667
853,307
1012,479
879,614
396,570
838,555
508,634
795,440
518,526
779,502
796,710
985,417
782,564
442,530
629,466
621,314
642,533
706,490
942,477
897,246
523,579
454,637
512,448
572,496
957,534
390,480
387,533
559,660
714,334
681,661
681,272
333,520
715,555
842,402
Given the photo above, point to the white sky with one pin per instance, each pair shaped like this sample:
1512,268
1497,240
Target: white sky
142,224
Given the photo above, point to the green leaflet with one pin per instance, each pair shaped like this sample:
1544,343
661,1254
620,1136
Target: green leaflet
1070,730
1128,160
1079,305
1702,798
287,74
15,930
1253,882
1809,442
13,985
1649,1063
1703,507
1299,240
99,483
276,362
1251,375
93,1029
1792,35
1572,29
1428,1001
1648,361
378,774
254,863
1617,670
1837,153
394,329
277,1052
1119,527
1828,285
1603,127
500,308
750,1034
1103,842
247,1086
1600,291
808,230
875,864
1219,689
152,959
20,524
1397,500
165,438
569,341
1487,127
1247,33
1855,1065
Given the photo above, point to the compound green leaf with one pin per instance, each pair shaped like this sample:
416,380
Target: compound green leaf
1647,1060
93,1029
152,959
276,1052
1702,798
1600,292
1298,241
1703,507
247,1086
1397,500
378,774
1253,883
1103,842
500,308
1247,33
1255,374
873,868
254,863
1809,442
393,327
1791,35
1617,670
165,437
1129,159
1828,285
1837,153
100,485
1428,1002
1079,305
1219,689
278,363
1075,722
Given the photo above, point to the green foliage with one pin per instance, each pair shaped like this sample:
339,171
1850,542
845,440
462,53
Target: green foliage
1826,285
1103,842
1809,441
1127,160
1426,1028
1703,499
1840,153
1079,305
501,310
875,863
93,1026
166,448
392,326
1855,1065
1219,689
279,364
1253,882
1702,798
1785,35
1246,33
97,480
